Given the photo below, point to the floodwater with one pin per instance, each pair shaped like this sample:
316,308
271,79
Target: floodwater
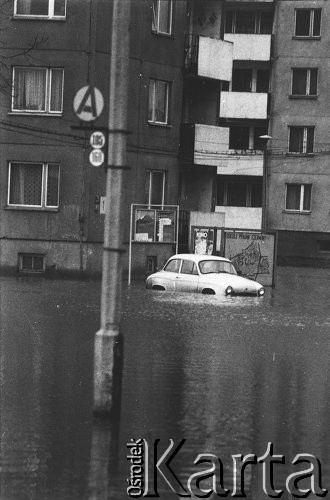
227,375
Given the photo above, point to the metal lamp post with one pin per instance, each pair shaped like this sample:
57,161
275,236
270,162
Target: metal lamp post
265,138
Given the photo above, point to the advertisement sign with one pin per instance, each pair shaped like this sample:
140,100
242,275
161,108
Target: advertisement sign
252,254
155,225
203,240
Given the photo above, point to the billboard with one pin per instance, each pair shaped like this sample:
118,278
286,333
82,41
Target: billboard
253,254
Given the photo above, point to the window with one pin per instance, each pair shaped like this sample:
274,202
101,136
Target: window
308,22
323,245
173,266
250,80
38,90
304,81
155,187
158,102
189,267
33,185
31,263
239,192
249,22
244,138
162,16
301,140
51,9
298,197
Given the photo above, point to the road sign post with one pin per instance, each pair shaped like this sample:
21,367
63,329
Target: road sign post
108,341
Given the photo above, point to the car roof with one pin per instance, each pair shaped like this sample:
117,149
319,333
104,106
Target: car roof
198,258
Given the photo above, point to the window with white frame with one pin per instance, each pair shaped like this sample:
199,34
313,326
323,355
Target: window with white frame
38,90
298,197
33,185
162,16
159,97
304,81
155,187
308,23
301,140
50,9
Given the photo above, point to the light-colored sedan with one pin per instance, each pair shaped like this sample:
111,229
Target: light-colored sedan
202,274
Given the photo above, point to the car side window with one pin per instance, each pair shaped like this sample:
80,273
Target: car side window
173,266
188,267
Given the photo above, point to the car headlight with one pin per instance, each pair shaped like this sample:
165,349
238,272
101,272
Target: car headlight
261,292
228,290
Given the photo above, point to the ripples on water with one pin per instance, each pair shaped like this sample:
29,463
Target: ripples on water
228,375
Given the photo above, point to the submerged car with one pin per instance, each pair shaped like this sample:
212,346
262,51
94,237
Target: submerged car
206,274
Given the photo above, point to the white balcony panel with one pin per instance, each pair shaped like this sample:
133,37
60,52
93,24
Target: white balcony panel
215,58
250,47
245,164
241,217
210,142
243,105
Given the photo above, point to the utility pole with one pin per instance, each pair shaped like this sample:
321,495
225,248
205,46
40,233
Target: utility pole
108,341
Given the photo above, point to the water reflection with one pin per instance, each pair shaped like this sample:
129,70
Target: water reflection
227,375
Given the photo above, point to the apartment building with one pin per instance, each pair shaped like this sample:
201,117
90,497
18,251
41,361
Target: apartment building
298,167
209,81
52,198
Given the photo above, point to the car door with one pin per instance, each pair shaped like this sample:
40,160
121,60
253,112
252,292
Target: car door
187,279
170,274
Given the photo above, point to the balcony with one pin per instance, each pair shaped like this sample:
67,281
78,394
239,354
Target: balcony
241,163
209,145
250,47
241,217
243,105
203,144
208,57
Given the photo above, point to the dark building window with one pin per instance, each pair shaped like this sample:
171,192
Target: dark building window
301,139
33,185
304,81
249,22
162,16
308,22
247,80
243,138
155,187
298,197
239,138
159,96
38,90
31,263
324,245
239,192
51,9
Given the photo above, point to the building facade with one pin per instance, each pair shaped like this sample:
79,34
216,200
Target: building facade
209,82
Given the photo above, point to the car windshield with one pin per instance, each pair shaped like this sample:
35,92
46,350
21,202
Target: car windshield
216,266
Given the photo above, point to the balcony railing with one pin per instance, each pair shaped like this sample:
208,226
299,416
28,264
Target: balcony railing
209,145
244,105
241,217
250,47
208,57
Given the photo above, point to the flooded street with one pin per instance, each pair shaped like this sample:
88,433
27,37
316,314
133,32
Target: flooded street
227,374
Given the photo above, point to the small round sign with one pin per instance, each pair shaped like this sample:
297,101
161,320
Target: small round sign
97,140
88,103
96,157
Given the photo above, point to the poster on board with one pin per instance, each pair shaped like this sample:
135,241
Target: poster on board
252,254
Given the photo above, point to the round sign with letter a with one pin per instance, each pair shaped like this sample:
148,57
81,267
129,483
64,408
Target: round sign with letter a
88,103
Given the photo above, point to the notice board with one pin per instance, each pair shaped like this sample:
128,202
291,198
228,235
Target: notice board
253,254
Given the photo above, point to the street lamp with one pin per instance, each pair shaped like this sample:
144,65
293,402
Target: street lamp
265,138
